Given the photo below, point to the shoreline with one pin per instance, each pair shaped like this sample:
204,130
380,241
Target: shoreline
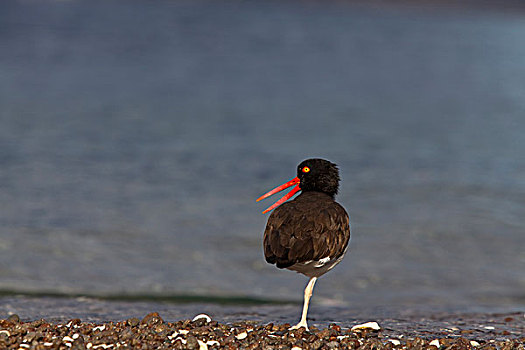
83,323
201,332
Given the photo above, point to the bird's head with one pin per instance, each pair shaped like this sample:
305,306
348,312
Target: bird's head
318,175
312,175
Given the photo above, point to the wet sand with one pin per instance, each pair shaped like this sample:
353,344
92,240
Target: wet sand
84,323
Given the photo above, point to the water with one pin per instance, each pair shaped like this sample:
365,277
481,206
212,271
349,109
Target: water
135,137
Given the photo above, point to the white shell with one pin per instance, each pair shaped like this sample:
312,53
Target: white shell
241,336
435,342
367,325
199,316
202,345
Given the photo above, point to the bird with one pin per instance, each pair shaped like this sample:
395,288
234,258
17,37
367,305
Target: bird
309,234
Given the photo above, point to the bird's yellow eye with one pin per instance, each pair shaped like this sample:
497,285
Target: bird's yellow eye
306,169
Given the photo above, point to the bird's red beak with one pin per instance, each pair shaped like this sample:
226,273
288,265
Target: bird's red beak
294,181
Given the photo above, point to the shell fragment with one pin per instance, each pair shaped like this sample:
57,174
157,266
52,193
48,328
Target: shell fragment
206,317
367,325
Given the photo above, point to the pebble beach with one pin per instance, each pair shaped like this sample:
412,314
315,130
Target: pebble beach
152,332
250,327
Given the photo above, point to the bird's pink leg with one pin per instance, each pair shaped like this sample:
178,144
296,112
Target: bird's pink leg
308,291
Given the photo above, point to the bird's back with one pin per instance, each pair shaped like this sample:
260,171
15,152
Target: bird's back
310,228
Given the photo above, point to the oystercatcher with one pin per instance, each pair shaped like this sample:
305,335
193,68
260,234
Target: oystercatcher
310,233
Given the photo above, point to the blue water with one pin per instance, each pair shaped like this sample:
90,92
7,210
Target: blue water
135,137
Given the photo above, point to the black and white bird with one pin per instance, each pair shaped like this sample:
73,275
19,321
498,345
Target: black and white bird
309,234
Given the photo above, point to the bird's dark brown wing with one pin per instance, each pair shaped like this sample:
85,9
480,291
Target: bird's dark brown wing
311,227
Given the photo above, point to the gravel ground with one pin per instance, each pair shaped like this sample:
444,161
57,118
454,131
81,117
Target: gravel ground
152,332
248,327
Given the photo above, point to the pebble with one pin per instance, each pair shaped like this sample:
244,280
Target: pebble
133,322
14,318
332,345
152,318
78,344
192,343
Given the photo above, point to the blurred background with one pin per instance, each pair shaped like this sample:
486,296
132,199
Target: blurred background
135,137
